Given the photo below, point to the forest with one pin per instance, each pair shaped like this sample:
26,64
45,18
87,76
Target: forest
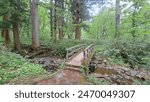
75,42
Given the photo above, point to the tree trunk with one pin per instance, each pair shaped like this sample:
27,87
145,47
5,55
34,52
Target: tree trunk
2,34
35,25
61,29
51,20
3,29
16,36
78,28
134,20
72,7
117,25
6,32
133,25
55,21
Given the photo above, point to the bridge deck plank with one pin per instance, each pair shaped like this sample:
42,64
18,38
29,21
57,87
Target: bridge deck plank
77,60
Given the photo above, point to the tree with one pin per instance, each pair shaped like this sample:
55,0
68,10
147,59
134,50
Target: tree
61,20
6,31
136,21
35,25
52,19
5,24
16,35
117,18
78,21
55,20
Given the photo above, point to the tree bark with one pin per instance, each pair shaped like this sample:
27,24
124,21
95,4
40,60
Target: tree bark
2,33
51,20
117,17
6,32
3,29
55,21
72,7
35,25
134,20
78,28
133,25
16,36
61,29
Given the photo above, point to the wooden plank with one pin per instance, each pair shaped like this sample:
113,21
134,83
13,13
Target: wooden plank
87,54
74,47
72,50
87,51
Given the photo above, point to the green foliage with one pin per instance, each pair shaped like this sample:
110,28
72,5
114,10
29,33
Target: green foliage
136,82
14,66
97,81
136,22
102,25
60,47
44,22
136,53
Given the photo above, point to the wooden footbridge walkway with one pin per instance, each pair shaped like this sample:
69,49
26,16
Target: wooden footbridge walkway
77,57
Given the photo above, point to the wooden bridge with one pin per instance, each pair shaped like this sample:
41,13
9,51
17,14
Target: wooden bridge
79,56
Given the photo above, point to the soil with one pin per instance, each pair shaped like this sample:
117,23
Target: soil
65,77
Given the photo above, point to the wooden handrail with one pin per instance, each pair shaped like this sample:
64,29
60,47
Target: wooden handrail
87,54
72,50
87,51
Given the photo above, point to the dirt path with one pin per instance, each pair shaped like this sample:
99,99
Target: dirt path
65,77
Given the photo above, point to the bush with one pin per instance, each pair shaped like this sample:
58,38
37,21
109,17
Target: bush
136,53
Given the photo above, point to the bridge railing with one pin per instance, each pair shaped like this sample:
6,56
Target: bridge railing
88,51
72,50
87,54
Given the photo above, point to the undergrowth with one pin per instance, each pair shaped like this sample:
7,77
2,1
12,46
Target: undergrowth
97,81
15,66
135,53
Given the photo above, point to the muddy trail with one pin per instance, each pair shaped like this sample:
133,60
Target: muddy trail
115,74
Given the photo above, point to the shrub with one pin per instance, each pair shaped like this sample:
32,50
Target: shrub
134,52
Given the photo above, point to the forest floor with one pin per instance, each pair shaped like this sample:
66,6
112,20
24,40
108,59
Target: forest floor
58,73
116,74
100,69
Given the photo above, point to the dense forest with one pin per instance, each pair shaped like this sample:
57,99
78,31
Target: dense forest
36,35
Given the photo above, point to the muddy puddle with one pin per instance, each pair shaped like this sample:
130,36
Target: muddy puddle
115,74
